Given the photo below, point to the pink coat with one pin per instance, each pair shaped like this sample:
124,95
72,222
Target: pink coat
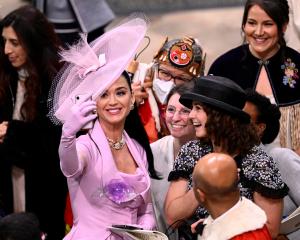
96,201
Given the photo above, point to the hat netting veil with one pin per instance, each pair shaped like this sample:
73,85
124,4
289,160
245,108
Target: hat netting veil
90,69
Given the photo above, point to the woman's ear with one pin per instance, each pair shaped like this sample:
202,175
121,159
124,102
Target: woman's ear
284,27
261,127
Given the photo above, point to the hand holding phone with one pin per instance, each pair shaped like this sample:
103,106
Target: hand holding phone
80,98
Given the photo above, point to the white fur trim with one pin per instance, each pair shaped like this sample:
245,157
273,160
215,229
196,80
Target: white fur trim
245,216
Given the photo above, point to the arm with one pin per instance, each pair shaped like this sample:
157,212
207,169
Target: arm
146,217
289,165
273,209
180,203
72,161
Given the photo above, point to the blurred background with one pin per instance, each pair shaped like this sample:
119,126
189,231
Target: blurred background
215,23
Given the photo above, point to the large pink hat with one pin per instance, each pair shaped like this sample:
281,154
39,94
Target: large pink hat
91,69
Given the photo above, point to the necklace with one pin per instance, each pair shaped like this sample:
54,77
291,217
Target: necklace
117,145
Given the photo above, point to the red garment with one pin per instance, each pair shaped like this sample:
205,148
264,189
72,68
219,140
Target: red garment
259,234
68,215
148,121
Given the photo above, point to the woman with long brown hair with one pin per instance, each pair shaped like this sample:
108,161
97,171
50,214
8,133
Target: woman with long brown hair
30,177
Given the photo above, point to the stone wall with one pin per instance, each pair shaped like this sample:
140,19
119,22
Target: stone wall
151,6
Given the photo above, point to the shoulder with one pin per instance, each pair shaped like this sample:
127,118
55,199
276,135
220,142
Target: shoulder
258,234
190,153
195,147
292,52
263,174
231,55
162,143
280,154
257,153
258,160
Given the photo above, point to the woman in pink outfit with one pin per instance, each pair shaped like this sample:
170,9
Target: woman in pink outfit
107,167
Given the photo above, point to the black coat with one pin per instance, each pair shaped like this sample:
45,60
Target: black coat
33,146
243,68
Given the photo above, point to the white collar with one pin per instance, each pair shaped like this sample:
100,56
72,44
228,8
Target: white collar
244,216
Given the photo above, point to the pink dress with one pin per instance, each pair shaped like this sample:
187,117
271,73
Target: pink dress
101,195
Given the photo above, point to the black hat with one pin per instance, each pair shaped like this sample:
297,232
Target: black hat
218,92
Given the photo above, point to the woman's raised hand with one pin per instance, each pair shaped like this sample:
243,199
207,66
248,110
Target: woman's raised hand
81,113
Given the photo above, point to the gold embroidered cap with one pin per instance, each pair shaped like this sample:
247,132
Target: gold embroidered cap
185,54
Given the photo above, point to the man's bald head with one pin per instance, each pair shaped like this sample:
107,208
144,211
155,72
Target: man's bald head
216,175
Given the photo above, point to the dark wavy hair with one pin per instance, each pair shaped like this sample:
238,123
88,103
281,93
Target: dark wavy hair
228,132
135,129
278,10
36,35
22,225
268,114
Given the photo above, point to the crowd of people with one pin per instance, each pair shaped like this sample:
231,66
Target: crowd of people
88,133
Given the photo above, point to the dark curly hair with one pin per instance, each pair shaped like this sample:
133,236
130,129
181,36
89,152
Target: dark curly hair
228,132
278,10
267,113
36,35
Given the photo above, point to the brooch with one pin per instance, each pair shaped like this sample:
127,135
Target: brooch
291,73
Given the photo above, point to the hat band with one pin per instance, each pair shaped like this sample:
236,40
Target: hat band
232,98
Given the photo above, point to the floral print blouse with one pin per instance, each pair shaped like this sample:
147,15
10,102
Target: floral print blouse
258,171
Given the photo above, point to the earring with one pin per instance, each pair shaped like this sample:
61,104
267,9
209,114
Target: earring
132,106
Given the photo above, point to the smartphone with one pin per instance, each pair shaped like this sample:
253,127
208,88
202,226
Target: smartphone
79,99
140,73
129,227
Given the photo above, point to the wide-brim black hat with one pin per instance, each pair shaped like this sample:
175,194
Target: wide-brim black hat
218,92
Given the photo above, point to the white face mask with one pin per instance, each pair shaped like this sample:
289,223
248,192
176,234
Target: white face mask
162,89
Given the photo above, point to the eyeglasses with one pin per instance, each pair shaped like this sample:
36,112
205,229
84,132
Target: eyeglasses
167,76
184,112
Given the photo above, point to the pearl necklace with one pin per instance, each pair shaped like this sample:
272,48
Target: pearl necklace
117,145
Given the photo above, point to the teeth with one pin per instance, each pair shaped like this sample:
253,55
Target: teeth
114,110
177,126
260,39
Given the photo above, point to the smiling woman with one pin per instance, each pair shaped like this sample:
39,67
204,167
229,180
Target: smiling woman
13,49
222,126
108,166
266,64
29,168
166,149
115,104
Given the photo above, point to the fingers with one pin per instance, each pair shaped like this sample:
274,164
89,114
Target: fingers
147,84
3,130
194,225
4,123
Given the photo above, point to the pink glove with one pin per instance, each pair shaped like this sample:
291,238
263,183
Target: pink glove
81,114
